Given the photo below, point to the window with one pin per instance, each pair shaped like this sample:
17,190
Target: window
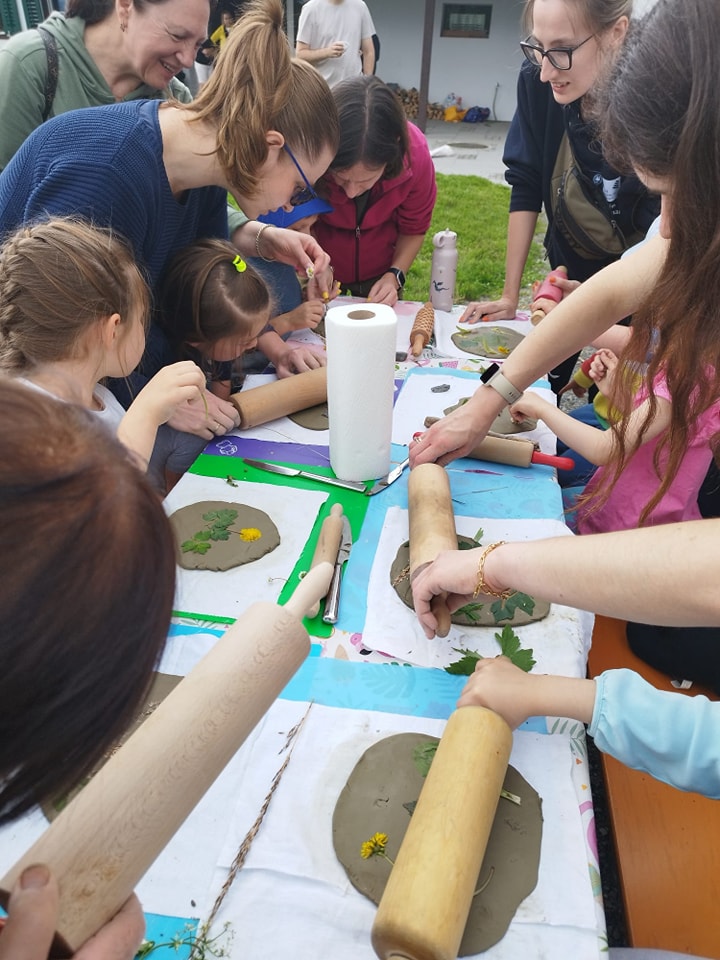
465,20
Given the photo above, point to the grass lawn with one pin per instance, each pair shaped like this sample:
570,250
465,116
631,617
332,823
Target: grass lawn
477,210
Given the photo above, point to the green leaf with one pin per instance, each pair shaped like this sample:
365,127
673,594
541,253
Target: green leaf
510,648
219,535
227,516
423,756
505,609
210,516
465,666
479,535
471,610
202,547
201,535
187,546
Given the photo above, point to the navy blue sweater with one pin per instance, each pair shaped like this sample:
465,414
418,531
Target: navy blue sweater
530,152
105,164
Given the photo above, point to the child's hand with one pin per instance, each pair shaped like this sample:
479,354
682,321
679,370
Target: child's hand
500,686
298,360
603,369
529,405
171,387
307,316
576,388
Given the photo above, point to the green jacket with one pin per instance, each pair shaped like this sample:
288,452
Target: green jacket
23,73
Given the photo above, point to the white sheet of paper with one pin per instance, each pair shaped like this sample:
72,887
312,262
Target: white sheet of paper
560,642
446,324
417,401
228,593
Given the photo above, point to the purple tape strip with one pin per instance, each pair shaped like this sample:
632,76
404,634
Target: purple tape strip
234,446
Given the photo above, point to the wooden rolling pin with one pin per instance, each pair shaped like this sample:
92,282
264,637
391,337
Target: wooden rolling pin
281,397
106,838
517,451
422,328
424,908
328,544
432,528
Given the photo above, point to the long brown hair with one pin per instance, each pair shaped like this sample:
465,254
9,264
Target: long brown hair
661,115
88,576
257,86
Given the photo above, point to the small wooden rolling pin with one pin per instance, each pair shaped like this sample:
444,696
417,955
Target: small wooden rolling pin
422,328
106,838
516,451
281,397
432,527
424,908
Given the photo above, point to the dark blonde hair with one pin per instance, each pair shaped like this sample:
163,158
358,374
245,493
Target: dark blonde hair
257,86
58,278
87,592
598,15
203,297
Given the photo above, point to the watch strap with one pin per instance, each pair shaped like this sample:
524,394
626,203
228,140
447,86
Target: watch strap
399,276
495,378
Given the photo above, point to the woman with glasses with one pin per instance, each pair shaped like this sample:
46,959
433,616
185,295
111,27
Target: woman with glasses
570,46
264,127
381,185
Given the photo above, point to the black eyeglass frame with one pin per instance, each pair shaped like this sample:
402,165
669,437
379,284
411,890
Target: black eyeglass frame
530,50
301,194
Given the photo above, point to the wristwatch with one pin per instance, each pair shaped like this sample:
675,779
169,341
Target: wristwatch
399,276
495,378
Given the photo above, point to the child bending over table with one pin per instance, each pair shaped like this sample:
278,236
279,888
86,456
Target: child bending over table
643,486
73,310
213,306
296,305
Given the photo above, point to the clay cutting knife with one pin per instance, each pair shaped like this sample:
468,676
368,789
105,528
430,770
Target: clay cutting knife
357,486
332,601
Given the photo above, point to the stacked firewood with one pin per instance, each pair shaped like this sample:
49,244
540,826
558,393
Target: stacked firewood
409,100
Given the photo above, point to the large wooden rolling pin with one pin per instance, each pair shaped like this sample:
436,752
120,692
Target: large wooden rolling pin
328,544
516,451
106,838
424,908
281,397
432,528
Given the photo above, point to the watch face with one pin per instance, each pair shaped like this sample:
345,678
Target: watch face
490,372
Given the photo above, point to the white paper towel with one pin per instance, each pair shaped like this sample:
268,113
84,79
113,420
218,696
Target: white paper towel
360,375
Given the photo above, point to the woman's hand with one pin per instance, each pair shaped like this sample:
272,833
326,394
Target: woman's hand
455,435
300,250
206,416
384,290
33,916
490,310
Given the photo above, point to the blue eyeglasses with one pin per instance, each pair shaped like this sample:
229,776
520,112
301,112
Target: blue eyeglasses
559,57
301,194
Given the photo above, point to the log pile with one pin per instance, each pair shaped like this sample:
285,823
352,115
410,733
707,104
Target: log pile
409,100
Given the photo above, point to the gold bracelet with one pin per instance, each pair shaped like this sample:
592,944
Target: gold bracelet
257,243
481,586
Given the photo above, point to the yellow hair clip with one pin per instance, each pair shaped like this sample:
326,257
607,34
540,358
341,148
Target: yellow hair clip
239,264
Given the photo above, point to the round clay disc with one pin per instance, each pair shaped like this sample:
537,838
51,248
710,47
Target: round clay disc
379,797
495,342
471,615
250,535
313,418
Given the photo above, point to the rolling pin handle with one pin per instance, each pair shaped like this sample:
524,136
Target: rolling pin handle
560,463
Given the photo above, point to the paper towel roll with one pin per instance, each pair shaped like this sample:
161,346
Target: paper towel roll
360,377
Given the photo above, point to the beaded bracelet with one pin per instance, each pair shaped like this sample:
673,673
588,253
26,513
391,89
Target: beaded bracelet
481,586
257,243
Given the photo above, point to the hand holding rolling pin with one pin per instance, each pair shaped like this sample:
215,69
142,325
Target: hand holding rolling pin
33,916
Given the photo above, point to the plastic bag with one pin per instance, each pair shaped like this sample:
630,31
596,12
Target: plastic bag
476,115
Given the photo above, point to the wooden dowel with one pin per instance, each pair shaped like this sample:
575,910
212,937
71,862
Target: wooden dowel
281,397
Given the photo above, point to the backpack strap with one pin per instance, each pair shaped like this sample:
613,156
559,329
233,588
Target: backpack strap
51,52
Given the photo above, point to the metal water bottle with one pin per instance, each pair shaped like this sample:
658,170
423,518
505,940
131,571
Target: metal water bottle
443,271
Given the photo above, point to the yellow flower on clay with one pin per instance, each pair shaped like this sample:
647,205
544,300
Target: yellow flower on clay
249,534
375,845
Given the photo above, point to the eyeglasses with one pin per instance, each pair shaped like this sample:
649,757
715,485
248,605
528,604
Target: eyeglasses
559,57
301,194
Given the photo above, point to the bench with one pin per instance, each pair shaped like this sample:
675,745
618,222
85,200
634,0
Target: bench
667,841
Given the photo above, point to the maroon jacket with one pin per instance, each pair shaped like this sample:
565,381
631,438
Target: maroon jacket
403,205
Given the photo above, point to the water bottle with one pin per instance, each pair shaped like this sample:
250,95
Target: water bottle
444,268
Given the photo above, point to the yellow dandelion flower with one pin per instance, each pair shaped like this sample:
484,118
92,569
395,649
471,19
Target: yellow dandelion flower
375,846
502,349
367,850
250,534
